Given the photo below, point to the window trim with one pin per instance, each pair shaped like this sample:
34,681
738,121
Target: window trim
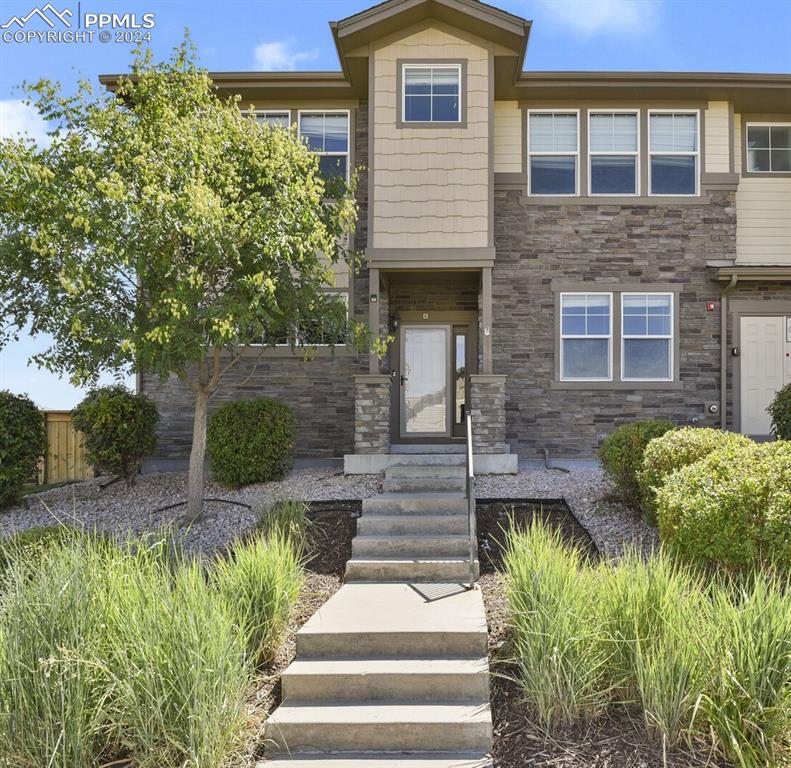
669,338
348,153
591,153
281,112
762,124
609,337
530,154
696,154
436,64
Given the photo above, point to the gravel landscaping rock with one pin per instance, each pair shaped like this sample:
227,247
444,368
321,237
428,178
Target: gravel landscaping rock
117,508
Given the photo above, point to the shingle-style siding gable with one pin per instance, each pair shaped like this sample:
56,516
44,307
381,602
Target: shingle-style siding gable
431,185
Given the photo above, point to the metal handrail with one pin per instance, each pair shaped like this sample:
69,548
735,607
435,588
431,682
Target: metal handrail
470,495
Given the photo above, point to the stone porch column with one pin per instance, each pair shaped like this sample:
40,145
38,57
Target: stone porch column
372,413
487,401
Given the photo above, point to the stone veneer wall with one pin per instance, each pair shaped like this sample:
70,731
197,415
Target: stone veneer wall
604,245
487,406
371,414
321,391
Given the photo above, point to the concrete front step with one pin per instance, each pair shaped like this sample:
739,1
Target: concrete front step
365,620
372,725
368,547
435,680
413,567
433,472
379,760
412,525
429,484
443,503
429,449
428,459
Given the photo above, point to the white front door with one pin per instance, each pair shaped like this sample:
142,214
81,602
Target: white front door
763,370
425,381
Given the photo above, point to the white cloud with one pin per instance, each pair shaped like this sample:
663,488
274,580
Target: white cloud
281,55
590,17
17,117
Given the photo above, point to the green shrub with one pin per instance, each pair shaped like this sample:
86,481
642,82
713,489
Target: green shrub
621,455
559,650
731,509
119,428
260,580
251,441
780,411
23,441
674,450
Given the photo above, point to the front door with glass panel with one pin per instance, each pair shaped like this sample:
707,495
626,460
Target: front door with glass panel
426,391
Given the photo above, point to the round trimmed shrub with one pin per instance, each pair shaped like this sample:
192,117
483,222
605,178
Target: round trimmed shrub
780,411
621,455
251,441
119,428
674,450
731,509
23,440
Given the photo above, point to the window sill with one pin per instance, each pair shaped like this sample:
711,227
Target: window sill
620,386
622,201
300,353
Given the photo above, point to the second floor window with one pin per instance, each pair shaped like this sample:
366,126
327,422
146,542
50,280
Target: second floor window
279,118
769,148
613,148
432,94
553,150
327,134
674,148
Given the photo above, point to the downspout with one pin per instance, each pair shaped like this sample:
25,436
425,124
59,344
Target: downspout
724,350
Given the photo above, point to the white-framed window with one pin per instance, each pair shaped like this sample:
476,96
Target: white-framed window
280,118
586,336
431,93
768,147
647,336
674,152
319,331
553,151
614,152
327,134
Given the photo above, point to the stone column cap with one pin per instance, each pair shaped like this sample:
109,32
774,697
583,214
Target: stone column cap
488,378
371,378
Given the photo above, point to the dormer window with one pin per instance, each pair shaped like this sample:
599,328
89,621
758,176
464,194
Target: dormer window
431,93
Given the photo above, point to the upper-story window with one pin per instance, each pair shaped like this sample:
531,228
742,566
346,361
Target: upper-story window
553,152
613,148
327,134
769,147
280,118
674,152
431,94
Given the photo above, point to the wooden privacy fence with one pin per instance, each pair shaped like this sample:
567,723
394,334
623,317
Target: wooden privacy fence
64,459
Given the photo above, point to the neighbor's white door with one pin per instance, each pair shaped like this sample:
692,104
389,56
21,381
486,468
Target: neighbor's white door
763,354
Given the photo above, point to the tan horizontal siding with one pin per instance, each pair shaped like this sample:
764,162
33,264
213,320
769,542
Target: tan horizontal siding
737,143
507,137
763,221
431,186
717,138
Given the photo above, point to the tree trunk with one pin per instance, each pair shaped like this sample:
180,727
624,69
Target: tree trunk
197,456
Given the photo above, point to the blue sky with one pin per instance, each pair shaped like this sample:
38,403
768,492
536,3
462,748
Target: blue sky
704,35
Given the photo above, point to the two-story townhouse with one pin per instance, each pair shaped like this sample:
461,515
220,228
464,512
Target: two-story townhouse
557,251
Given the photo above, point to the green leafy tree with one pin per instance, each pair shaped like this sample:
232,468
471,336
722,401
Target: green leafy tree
166,231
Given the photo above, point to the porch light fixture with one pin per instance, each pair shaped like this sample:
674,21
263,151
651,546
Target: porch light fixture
374,298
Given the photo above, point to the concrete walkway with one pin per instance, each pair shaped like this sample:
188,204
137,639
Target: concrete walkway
392,671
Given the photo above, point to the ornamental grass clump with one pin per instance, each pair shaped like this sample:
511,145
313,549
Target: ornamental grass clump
259,581
128,651
559,649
